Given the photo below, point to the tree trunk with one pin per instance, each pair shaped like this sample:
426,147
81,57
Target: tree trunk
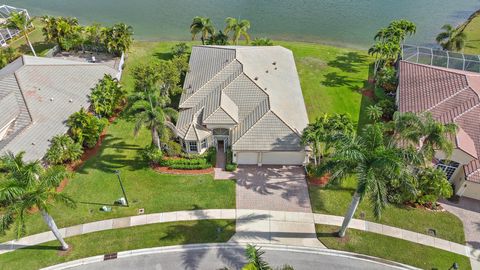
29,43
53,227
156,138
349,215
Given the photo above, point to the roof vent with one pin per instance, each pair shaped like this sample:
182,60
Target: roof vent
51,99
189,86
256,78
274,63
70,100
33,143
226,61
276,68
265,89
266,71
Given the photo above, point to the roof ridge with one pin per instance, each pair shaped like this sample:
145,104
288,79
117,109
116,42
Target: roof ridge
23,96
449,70
255,110
293,129
465,112
448,98
250,128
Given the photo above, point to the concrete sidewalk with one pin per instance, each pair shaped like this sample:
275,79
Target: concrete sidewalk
278,233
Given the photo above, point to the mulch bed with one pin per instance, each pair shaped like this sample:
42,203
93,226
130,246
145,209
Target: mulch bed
168,170
319,181
368,93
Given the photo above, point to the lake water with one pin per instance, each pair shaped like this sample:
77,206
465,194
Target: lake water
349,22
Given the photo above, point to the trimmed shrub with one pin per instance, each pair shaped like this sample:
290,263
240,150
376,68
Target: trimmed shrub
231,167
186,164
388,108
63,149
211,155
172,149
85,128
152,154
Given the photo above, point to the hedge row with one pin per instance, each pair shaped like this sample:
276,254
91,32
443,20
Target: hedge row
186,164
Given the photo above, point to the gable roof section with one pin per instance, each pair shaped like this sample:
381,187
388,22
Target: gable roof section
451,96
269,133
50,90
245,88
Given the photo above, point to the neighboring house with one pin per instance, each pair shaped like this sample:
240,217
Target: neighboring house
6,33
246,98
37,95
451,96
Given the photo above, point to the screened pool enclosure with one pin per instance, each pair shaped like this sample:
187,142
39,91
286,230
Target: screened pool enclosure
440,58
5,33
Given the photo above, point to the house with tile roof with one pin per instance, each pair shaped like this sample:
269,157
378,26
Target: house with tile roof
451,96
37,95
246,98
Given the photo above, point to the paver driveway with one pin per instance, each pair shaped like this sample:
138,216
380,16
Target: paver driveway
278,188
468,210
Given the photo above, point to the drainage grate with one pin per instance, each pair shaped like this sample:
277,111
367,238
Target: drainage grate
111,256
141,211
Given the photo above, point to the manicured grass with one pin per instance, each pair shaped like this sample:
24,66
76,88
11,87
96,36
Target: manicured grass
164,234
332,78
335,201
95,183
472,30
37,39
390,248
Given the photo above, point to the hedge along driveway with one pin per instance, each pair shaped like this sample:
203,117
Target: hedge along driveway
95,183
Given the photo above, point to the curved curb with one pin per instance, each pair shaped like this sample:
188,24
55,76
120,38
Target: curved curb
273,247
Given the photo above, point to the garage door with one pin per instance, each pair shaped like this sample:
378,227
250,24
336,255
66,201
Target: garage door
283,158
247,158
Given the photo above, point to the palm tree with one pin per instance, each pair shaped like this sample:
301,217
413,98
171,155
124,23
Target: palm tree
385,52
203,26
374,112
239,28
255,259
118,38
424,131
29,186
21,21
374,160
451,39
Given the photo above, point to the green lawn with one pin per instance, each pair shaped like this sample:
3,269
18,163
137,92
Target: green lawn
332,78
37,39
163,234
390,248
335,201
472,30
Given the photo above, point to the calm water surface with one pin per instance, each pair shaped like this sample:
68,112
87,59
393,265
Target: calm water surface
350,22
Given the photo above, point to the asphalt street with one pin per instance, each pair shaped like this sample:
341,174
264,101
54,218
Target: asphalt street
232,257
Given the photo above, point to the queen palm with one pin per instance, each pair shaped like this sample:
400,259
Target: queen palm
29,186
21,21
202,26
451,39
239,29
374,160
424,131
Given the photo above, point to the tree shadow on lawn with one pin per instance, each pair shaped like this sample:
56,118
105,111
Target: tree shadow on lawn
163,55
39,47
111,162
366,100
348,62
333,79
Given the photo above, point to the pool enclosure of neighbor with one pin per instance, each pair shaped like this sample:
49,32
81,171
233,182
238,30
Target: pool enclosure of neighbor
440,58
6,33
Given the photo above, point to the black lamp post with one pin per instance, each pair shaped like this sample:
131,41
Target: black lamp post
117,172
454,266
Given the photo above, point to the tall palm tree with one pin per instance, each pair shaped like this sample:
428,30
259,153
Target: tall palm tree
239,28
21,21
119,38
203,26
385,52
374,160
451,39
29,186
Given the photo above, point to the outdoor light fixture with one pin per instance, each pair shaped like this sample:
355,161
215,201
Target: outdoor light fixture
117,172
454,266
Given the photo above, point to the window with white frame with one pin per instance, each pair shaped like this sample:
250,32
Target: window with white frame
204,144
448,167
192,146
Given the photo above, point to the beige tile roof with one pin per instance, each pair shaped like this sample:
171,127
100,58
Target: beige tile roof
451,96
49,90
249,83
